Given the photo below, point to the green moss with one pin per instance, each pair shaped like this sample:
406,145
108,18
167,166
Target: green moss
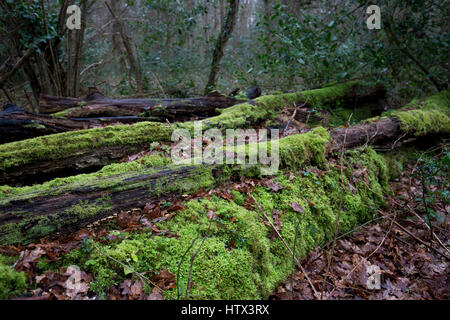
34,125
267,107
62,113
396,158
74,143
149,161
68,144
428,116
297,150
340,115
30,228
12,283
321,98
238,260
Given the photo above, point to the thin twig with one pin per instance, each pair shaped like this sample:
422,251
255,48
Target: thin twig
181,261
426,224
416,238
293,116
369,256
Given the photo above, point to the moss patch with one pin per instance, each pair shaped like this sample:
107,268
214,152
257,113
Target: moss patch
74,143
149,161
12,283
428,116
267,107
238,260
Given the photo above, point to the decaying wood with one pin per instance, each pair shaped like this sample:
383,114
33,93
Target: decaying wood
27,171
381,132
134,189
17,124
95,105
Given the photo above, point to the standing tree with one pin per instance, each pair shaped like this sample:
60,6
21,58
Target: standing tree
132,59
225,34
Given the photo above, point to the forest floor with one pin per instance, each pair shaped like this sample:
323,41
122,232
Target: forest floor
398,244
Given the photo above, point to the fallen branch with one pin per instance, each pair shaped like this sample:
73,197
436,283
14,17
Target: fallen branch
17,124
95,104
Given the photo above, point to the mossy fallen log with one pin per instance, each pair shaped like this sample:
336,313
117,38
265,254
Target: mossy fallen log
239,259
420,117
97,105
17,124
31,212
87,150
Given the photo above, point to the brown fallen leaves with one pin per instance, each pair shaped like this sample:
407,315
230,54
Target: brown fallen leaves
407,269
135,289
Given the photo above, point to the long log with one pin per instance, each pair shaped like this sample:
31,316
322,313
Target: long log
17,124
44,158
96,105
33,212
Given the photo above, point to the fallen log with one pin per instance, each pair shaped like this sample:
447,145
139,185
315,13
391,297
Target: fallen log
17,124
97,105
58,155
239,245
59,206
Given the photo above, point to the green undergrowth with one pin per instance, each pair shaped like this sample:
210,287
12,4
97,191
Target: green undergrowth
12,283
238,259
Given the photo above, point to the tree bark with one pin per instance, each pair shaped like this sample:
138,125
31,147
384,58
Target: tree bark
17,124
127,44
97,105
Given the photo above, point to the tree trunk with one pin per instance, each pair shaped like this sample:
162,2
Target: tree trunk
17,124
130,55
79,50
221,43
98,105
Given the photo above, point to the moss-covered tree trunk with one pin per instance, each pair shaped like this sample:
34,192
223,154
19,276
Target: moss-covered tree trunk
17,124
87,150
219,49
31,212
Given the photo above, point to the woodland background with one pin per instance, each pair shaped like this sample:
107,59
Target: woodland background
164,48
